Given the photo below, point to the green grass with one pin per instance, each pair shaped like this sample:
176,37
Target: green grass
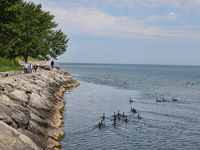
4,69
9,65
29,59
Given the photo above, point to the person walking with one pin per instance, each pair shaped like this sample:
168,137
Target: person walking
26,67
30,68
52,63
35,67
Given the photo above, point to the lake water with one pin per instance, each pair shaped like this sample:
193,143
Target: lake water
107,88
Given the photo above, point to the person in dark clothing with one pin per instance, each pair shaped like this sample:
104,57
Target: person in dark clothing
35,67
52,63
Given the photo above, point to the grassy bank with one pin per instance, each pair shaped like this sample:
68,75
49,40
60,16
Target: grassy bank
9,64
29,59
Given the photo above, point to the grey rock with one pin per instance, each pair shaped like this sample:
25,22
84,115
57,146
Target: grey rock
11,139
29,104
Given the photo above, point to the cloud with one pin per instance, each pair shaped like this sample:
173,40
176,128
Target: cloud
94,22
81,17
141,30
169,17
180,4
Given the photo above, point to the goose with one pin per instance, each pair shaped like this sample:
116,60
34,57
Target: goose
118,113
103,116
114,115
133,110
114,124
102,122
100,125
174,99
139,117
126,119
187,83
123,115
164,100
131,101
119,117
115,119
158,100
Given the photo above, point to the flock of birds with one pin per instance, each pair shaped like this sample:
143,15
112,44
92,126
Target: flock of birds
188,83
164,100
118,116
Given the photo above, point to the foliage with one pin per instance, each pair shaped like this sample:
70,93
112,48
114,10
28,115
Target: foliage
9,26
8,5
58,43
28,31
9,64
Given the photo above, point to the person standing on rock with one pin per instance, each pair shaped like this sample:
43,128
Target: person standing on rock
35,67
52,63
25,67
30,68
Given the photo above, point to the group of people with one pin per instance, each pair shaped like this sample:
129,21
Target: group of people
29,67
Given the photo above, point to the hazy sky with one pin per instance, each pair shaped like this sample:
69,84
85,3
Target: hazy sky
129,31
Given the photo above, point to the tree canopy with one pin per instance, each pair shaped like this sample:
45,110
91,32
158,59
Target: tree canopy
27,30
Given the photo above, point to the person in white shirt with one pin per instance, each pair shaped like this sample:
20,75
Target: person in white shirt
25,67
30,68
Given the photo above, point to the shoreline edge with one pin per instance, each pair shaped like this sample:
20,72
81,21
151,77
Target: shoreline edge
31,109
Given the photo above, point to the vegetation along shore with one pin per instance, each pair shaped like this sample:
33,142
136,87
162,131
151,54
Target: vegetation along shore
30,104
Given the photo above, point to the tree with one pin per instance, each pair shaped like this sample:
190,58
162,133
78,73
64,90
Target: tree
35,35
9,30
58,42
36,27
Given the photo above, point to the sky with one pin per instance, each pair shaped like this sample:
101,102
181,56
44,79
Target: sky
128,31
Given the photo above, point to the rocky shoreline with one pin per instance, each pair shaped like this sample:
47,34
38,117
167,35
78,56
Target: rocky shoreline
30,106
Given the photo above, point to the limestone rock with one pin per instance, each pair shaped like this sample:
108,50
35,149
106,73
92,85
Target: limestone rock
11,139
30,107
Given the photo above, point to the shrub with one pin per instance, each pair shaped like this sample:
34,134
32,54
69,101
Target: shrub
5,62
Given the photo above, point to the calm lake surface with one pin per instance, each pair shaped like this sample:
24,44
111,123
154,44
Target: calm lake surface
107,88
